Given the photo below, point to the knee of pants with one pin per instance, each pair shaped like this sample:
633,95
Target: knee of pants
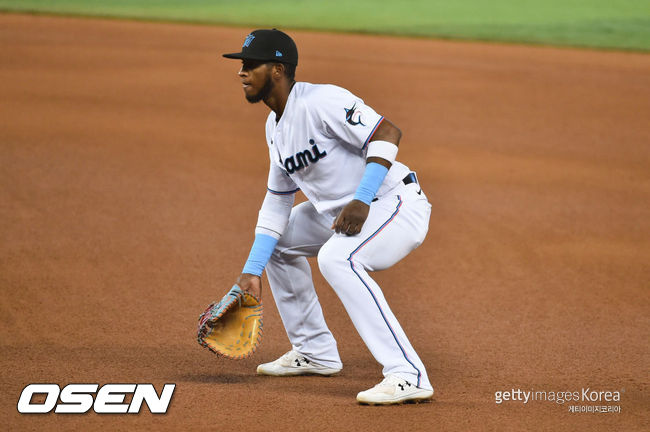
331,262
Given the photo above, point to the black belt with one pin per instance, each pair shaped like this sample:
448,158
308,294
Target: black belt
411,178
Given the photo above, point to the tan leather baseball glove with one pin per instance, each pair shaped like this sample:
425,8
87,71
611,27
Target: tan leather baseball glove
232,328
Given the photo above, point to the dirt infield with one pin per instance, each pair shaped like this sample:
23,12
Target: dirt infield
132,169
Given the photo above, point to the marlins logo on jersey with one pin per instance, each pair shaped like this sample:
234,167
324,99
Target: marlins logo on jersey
353,116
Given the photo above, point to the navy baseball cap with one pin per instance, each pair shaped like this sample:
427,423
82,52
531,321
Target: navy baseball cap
268,45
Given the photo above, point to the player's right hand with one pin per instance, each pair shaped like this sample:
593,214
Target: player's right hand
251,284
351,219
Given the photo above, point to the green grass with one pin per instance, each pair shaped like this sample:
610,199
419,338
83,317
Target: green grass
617,24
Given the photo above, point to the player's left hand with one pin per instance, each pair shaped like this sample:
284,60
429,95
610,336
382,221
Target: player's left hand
351,219
251,284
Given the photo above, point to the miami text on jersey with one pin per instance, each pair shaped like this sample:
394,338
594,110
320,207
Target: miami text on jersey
302,159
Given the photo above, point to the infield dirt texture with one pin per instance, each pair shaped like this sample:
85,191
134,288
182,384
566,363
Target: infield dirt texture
132,170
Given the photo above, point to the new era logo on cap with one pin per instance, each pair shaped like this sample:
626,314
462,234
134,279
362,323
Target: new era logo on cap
278,53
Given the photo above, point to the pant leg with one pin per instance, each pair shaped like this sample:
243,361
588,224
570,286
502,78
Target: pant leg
396,225
291,282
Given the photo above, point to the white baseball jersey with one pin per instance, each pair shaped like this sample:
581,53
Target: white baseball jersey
319,146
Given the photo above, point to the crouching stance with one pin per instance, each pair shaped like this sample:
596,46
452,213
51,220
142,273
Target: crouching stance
365,212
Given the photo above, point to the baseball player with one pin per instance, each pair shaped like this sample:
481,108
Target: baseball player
365,212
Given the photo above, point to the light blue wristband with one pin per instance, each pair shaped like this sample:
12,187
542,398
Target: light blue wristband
263,247
372,179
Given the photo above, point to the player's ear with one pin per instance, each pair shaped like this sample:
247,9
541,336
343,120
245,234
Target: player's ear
278,70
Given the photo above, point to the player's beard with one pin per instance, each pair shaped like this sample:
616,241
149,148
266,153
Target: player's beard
264,92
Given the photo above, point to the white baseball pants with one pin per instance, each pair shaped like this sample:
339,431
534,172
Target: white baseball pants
397,223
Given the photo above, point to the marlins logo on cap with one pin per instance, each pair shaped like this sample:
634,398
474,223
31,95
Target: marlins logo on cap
268,45
248,40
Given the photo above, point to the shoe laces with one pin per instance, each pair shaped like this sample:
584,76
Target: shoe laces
294,358
289,357
394,381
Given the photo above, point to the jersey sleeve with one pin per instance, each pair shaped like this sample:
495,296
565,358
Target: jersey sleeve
274,214
347,117
279,182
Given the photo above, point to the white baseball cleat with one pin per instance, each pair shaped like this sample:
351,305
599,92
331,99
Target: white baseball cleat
293,363
394,390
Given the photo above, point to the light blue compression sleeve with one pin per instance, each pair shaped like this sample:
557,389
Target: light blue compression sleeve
261,251
372,179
